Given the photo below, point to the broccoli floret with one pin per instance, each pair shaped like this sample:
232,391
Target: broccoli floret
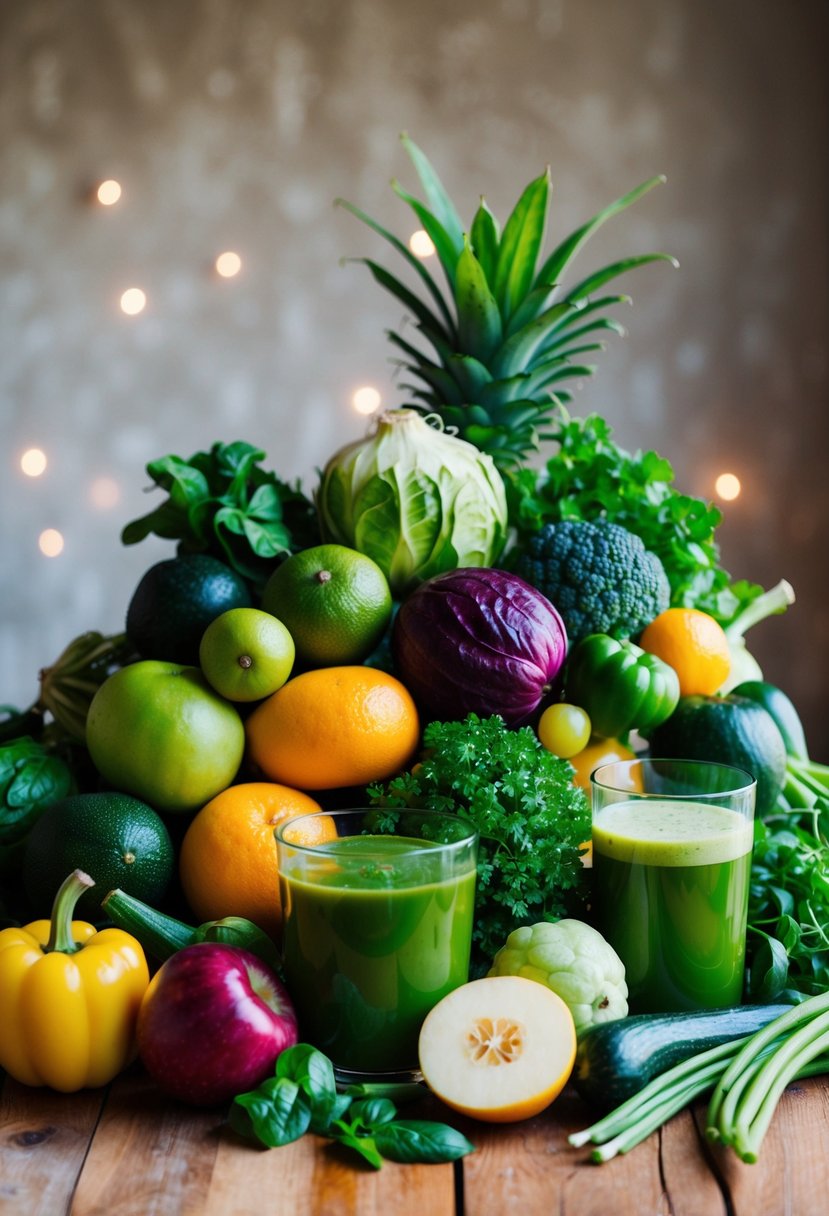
600,577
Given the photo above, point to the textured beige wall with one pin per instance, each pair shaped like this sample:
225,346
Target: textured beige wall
234,123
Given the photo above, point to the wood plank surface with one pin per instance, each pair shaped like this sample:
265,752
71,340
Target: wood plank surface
44,1139
128,1151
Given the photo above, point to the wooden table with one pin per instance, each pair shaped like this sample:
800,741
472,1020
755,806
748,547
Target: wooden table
126,1149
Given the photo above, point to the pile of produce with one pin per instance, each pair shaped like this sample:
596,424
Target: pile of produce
436,624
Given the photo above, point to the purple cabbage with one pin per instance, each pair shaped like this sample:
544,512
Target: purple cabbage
478,640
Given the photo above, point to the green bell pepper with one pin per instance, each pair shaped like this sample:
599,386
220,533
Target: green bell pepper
619,685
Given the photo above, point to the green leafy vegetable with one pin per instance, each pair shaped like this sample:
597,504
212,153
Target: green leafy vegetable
303,1097
747,1077
590,477
531,819
30,781
788,915
222,503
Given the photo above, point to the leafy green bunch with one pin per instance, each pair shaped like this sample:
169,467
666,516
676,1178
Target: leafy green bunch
530,817
590,477
788,915
302,1097
223,503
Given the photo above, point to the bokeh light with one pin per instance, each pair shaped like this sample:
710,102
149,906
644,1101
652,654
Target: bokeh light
104,493
33,462
366,399
421,244
727,487
50,542
133,301
228,264
108,192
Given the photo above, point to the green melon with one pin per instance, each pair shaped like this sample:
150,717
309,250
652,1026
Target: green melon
116,839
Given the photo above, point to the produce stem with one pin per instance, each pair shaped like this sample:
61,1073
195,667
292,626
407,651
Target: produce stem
60,932
776,599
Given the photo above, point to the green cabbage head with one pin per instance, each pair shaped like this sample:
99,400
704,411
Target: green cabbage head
416,500
575,961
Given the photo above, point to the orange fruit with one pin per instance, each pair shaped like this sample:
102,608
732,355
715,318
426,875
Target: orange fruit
335,726
694,644
597,752
227,862
335,602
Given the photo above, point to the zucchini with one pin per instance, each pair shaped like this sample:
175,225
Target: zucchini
782,709
162,935
615,1060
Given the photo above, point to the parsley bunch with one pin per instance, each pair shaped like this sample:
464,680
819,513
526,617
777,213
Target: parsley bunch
590,477
531,819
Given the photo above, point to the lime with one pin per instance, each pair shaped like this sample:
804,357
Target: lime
117,840
246,654
335,602
176,600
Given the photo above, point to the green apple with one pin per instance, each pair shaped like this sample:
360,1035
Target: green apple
159,731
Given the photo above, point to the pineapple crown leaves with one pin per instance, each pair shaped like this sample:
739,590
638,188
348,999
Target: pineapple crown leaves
504,332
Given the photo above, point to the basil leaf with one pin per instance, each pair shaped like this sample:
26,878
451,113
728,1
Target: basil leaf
372,1111
323,1116
418,1140
275,1114
313,1072
364,1145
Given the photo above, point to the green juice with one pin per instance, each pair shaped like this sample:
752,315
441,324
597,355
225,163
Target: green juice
370,948
670,882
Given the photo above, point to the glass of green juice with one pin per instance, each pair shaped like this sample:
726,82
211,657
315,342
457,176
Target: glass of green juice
672,845
377,928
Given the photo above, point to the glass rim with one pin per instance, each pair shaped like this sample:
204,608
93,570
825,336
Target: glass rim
428,846
743,786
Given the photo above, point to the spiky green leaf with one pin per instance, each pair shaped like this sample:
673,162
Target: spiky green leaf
429,323
587,286
555,265
519,246
518,350
470,374
485,236
479,321
443,209
414,262
534,303
448,253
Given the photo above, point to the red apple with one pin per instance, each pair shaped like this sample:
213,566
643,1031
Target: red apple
212,1023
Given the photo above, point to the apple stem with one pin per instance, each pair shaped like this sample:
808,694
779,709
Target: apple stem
245,661
60,931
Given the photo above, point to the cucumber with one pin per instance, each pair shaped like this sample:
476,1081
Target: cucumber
615,1060
782,709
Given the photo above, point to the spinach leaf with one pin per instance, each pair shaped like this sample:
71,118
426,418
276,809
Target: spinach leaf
416,1140
275,1114
30,781
223,503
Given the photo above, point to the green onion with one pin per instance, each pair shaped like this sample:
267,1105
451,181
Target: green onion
747,1076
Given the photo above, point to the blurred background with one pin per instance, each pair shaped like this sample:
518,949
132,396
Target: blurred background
230,126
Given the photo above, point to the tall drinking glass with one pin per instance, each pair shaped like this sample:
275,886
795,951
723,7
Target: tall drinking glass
377,928
672,844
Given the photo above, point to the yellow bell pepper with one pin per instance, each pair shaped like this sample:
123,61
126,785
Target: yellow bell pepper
69,997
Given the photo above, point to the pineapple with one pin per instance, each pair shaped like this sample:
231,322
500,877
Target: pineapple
505,336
